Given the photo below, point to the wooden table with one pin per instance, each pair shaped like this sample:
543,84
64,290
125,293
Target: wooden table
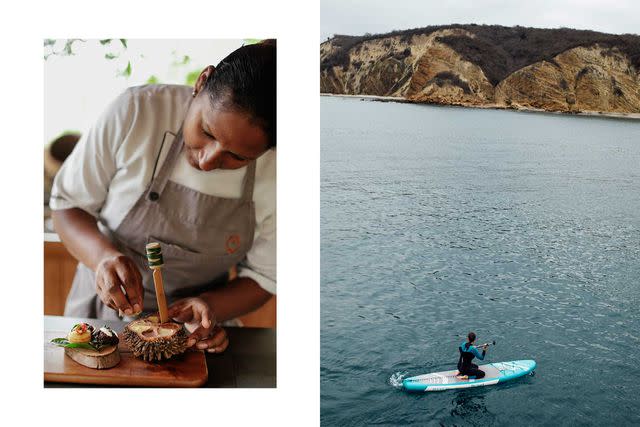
248,362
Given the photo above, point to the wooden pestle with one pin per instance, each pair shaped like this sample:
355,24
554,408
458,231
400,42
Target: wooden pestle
154,256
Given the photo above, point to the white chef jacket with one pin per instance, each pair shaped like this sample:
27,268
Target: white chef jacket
113,162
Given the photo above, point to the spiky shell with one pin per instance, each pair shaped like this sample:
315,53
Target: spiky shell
151,340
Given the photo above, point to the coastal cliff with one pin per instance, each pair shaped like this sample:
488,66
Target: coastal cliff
560,70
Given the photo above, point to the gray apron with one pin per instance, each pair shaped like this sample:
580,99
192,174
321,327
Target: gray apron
202,237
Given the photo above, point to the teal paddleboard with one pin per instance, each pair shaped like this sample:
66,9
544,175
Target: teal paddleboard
495,373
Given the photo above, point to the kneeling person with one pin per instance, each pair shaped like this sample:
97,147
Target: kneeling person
467,352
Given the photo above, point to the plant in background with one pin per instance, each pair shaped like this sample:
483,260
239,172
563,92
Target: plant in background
66,48
191,77
118,63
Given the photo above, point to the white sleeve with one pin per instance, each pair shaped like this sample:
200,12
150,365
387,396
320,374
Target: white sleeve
84,178
260,263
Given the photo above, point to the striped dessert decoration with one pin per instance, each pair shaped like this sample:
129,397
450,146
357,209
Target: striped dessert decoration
155,260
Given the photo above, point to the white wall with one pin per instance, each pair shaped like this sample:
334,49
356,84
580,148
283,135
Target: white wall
78,87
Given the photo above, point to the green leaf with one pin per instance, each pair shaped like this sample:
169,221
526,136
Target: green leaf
153,80
63,342
68,47
105,41
127,71
49,42
110,56
124,42
251,41
192,77
178,62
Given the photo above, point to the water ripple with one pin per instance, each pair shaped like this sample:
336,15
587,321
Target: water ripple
437,221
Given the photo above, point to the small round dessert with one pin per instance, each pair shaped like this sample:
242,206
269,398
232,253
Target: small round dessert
80,333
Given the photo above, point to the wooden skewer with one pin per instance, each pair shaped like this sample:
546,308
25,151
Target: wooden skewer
162,300
154,256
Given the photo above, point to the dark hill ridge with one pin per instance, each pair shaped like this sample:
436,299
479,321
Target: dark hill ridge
498,50
428,64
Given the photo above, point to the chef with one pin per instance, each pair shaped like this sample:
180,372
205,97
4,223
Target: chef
193,169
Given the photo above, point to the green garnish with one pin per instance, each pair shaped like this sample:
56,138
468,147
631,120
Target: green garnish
63,342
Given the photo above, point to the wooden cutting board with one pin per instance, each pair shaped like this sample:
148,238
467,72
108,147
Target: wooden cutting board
187,370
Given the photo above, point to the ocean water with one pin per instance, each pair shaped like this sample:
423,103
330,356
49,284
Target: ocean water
522,227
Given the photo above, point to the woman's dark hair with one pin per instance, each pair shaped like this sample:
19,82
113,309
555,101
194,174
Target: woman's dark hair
471,337
245,81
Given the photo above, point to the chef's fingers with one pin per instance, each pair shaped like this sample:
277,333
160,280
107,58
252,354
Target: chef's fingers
180,311
217,343
199,334
181,317
131,282
191,310
101,290
109,303
222,346
112,286
204,314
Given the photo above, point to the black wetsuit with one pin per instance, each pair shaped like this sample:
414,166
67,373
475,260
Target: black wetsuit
467,353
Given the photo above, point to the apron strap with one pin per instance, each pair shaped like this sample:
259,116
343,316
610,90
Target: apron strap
248,182
158,183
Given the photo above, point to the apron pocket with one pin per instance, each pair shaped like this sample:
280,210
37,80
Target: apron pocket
185,271
216,244
173,251
190,261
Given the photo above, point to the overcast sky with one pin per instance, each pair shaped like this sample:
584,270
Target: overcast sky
356,17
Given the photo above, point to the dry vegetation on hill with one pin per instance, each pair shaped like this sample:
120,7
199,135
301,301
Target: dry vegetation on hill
517,67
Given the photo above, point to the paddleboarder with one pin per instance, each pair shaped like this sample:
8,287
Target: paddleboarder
468,352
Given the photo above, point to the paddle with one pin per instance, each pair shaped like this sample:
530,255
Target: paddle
485,345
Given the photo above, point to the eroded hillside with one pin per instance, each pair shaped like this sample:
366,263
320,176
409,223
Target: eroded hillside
489,66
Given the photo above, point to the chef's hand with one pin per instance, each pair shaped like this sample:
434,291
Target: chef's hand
200,320
114,273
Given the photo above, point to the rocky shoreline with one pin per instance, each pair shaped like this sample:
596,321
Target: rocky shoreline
609,115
